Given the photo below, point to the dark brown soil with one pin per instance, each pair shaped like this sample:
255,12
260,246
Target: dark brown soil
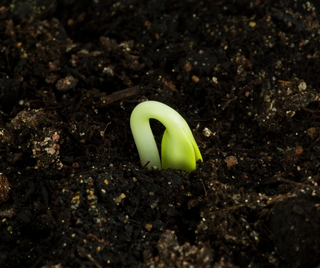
245,76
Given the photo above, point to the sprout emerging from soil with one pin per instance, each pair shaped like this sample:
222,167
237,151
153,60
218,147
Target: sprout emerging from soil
179,149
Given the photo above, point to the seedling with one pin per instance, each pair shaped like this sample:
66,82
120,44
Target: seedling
179,149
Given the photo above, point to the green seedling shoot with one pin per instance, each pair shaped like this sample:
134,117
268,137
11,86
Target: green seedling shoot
179,149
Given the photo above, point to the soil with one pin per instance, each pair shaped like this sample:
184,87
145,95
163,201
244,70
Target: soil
244,75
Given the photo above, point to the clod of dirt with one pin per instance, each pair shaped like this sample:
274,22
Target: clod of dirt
171,254
295,225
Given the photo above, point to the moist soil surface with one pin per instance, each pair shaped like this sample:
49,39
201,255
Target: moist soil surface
243,74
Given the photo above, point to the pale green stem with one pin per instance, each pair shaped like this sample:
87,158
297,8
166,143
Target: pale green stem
142,133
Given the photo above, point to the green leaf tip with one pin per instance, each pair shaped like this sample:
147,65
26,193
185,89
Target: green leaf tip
179,149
